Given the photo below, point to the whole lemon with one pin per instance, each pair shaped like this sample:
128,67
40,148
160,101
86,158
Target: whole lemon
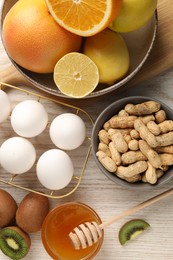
33,39
133,15
110,53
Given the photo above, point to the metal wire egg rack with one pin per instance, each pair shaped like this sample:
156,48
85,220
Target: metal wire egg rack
14,180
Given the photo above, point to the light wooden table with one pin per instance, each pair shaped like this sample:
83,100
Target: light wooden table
109,199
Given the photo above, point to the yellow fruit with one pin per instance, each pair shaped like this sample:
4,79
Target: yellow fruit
76,75
33,39
109,52
84,18
133,15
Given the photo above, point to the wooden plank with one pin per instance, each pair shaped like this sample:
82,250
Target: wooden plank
161,56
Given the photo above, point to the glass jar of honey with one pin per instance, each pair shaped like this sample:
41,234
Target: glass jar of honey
59,223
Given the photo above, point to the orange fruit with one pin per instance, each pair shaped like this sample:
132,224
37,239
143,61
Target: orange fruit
76,75
33,39
84,17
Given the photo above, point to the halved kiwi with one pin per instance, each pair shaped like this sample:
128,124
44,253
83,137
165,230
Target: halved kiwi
14,242
131,229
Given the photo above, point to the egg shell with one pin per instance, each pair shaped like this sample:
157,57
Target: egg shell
67,131
29,118
5,109
54,169
17,155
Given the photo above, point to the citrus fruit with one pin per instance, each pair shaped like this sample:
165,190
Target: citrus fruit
133,15
109,52
33,39
76,75
84,18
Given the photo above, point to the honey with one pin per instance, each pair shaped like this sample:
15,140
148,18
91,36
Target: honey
57,226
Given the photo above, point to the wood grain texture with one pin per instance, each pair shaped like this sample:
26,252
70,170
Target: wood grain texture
161,56
101,194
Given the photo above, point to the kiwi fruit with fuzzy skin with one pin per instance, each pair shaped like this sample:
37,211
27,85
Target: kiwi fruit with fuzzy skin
8,207
31,212
131,229
14,242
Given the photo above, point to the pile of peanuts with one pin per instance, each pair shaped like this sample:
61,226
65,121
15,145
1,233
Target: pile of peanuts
137,143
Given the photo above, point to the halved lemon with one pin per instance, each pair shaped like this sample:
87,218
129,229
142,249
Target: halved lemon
76,75
84,17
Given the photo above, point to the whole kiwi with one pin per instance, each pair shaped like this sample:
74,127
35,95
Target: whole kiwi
8,207
31,212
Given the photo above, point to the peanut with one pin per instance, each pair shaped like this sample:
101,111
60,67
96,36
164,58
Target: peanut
145,134
115,155
122,121
159,173
166,159
112,131
143,176
166,126
106,126
153,128
132,179
134,134
150,174
144,108
119,142
160,116
165,168
132,169
164,149
133,145
127,138
133,156
152,155
123,113
104,147
146,119
106,161
165,139
103,136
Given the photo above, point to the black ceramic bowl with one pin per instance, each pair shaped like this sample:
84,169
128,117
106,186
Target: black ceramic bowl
106,114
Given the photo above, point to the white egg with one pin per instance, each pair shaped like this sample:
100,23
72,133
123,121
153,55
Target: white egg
67,131
17,155
29,118
5,106
54,169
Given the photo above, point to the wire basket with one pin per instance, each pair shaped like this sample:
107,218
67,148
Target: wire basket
28,181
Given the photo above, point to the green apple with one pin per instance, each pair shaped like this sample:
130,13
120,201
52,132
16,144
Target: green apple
133,15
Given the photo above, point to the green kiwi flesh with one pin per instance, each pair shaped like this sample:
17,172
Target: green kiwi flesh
131,229
14,243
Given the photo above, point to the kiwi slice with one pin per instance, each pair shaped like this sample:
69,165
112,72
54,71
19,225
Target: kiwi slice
131,229
14,242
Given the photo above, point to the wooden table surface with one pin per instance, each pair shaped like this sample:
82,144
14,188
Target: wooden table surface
109,199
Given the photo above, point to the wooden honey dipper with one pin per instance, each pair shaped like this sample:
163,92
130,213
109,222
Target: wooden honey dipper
89,233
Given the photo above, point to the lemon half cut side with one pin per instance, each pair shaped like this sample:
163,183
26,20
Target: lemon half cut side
76,75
